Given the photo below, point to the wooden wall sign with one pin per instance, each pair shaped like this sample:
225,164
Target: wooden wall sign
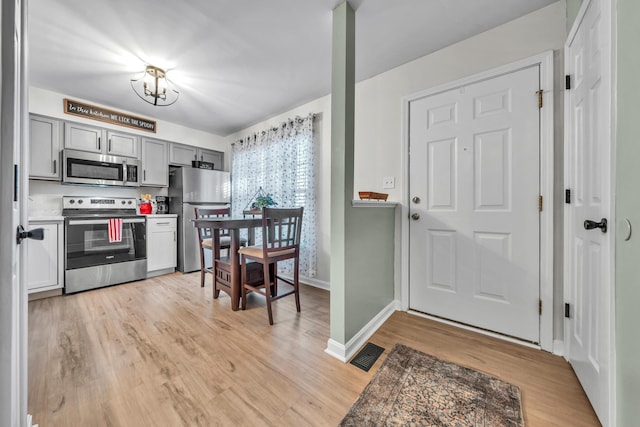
108,116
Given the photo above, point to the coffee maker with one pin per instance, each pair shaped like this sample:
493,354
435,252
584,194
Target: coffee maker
162,205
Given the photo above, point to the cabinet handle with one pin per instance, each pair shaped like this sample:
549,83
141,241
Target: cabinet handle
109,145
99,145
174,236
201,157
195,156
55,166
144,175
163,223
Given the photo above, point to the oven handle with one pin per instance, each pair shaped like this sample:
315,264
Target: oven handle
103,221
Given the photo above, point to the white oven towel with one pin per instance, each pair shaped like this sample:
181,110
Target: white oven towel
115,230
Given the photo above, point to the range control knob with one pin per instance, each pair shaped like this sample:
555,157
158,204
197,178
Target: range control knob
80,201
123,202
71,202
129,202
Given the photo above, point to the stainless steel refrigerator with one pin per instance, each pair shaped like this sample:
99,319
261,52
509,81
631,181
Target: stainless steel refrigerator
191,188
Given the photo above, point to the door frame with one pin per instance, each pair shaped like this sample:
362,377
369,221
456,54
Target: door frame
545,61
13,104
568,235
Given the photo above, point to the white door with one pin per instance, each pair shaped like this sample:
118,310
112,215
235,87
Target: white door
13,188
588,177
474,186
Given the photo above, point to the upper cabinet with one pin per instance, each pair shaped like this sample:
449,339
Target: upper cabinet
155,168
44,145
122,144
83,137
183,155
99,140
210,156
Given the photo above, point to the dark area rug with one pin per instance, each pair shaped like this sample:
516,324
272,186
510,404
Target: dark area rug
412,388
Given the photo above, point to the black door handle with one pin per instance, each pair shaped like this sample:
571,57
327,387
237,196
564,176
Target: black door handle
590,225
35,234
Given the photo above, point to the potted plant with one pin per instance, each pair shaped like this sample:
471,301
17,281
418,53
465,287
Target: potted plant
259,200
263,201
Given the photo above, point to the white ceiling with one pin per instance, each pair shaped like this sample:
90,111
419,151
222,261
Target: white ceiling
235,62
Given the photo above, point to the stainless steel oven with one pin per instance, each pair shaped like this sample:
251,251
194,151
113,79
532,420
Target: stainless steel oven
92,259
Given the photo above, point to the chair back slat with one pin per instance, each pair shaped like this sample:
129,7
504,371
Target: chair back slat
205,232
281,229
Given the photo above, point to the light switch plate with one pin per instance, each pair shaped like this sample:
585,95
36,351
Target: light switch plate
388,182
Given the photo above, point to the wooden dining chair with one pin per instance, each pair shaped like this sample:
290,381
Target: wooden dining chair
215,242
281,229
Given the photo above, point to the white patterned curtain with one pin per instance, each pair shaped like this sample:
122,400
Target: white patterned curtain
282,161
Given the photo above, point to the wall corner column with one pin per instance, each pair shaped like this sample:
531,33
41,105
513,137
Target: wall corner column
342,149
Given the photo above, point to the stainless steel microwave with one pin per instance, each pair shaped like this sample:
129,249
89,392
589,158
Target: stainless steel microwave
80,167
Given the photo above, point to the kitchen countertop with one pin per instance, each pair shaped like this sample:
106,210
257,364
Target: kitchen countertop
161,215
46,218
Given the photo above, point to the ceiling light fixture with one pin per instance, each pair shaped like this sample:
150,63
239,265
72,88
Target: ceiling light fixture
154,88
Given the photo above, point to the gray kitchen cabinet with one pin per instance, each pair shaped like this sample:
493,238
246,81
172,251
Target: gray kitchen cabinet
123,144
83,137
44,148
162,244
210,156
183,155
45,263
155,168
98,140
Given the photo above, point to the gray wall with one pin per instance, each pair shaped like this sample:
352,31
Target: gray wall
627,264
362,239
573,6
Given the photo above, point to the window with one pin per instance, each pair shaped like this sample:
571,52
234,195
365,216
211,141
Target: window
282,161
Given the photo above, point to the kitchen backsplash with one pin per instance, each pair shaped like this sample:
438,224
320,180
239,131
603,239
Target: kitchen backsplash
45,197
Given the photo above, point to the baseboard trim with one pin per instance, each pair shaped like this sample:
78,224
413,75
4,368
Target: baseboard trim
310,281
344,352
558,347
161,272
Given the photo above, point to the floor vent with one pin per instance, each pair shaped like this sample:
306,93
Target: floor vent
367,356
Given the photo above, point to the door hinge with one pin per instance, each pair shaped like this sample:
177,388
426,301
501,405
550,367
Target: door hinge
567,82
567,196
540,307
539,98
567,310
16,182
539,203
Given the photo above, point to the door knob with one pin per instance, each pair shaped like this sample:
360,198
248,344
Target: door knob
590,225
35,234
415,216
416,200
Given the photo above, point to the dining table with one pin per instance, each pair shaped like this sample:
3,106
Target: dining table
234,225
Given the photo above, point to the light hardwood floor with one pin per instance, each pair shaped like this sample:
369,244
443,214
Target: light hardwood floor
163,352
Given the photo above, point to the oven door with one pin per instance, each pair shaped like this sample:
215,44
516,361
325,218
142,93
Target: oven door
87,242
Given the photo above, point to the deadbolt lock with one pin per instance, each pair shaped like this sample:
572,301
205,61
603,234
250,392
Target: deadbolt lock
416,200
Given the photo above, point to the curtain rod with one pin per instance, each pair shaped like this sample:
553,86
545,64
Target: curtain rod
274,128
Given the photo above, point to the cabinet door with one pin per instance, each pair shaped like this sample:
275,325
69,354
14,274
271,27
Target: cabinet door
210,156
83,137
182,154
161,243
155,169
44,148
122,144
42,258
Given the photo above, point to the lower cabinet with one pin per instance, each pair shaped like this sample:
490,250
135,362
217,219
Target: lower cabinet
45,262
162,244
